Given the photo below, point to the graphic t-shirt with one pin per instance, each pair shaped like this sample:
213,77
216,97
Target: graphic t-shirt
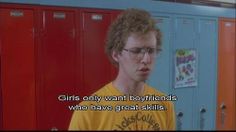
115,111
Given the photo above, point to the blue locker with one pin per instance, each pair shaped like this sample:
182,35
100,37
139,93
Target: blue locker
162,67
206,90
184,38
195,108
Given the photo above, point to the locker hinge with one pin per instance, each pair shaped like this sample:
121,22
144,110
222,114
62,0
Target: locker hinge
44,20
83,22
73,33
0,46
33,32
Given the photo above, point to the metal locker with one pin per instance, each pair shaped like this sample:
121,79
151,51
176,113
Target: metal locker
207,74
114,69
18,68
96,66
1,121
160,77
195,107
57,59
184,38
226,97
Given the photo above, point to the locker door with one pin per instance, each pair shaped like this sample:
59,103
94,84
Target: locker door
96,66
114,70
184,38
1,106
160,77
207,68
226,101
58,59
18,68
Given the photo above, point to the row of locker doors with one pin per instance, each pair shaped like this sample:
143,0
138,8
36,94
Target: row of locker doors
47,52
209,105
195,107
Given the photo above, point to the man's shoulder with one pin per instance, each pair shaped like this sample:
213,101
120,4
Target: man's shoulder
103,91
106,89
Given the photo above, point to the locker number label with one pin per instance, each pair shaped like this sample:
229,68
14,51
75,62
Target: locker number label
59,15
16,13
96,17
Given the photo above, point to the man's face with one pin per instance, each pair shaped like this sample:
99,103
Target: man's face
137,58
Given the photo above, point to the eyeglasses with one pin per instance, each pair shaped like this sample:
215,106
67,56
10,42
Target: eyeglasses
138,53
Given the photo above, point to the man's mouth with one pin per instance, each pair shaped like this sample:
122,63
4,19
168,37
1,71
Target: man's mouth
144,70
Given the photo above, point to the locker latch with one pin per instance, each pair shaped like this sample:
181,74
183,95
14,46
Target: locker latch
179,122
223,114
202,119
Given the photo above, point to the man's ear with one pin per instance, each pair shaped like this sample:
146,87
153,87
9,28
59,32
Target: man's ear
115,56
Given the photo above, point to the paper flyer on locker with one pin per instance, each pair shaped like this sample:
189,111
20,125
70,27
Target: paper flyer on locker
185,68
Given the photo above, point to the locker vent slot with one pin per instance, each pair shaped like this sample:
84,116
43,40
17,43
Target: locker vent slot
16,13
59,15
96,17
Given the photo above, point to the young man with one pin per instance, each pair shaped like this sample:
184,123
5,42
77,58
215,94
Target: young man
132,45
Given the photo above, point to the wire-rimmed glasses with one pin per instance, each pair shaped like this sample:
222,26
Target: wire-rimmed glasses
138,53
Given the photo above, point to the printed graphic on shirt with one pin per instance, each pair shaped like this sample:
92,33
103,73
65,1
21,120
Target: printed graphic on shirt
138,121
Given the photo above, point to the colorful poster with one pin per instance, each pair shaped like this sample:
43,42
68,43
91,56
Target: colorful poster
185,68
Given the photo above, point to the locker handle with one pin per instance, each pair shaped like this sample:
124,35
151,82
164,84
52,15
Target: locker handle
202,110
223,114
223,106
179,122
180,114
202,118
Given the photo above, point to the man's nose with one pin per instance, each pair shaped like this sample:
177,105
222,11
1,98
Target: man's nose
146,58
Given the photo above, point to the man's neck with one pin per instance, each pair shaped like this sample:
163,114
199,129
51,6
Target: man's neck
129,87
